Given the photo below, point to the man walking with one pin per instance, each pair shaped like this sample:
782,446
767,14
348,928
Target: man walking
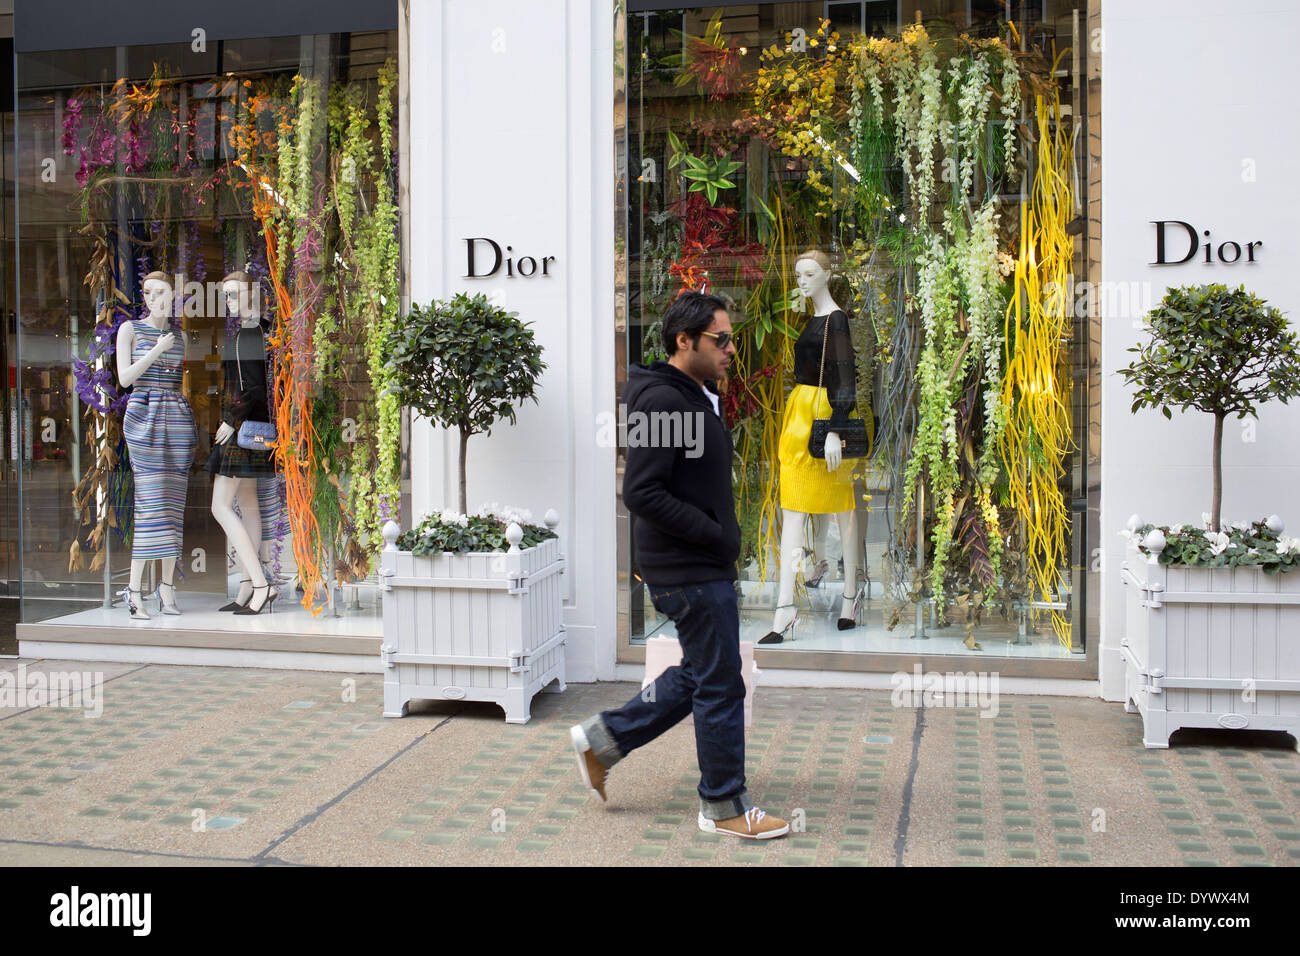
687,543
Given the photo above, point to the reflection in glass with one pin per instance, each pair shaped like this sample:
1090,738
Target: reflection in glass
756,133
136,160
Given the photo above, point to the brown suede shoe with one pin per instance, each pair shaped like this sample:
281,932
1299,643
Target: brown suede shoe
753,825
592,770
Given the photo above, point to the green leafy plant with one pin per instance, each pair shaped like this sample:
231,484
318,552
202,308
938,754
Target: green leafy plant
439,533
464,364
706,177
1241,545
1219,351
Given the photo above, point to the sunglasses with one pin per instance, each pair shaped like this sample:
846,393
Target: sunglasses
723,338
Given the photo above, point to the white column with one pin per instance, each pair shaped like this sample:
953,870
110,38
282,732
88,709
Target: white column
512,140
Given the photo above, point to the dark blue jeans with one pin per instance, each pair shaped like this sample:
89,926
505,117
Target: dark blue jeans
707,683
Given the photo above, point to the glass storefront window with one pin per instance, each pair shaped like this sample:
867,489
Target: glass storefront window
932,159
271,160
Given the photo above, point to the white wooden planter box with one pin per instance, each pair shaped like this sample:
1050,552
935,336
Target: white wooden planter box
1210,647
480,626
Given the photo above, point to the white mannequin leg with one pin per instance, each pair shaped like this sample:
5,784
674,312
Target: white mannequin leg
137,599
848,521
224,490
791,554
137,573
167,587
251,519
250,512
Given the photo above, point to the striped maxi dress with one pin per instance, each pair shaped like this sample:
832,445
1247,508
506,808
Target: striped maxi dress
160,436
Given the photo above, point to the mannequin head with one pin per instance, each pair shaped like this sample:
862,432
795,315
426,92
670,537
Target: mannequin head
812,271
240,293
157,289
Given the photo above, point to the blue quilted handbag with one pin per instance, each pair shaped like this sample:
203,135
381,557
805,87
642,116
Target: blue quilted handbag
256,436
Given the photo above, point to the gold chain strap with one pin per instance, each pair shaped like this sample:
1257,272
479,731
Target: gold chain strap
821,371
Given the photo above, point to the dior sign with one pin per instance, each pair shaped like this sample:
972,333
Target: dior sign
476,266
1227,252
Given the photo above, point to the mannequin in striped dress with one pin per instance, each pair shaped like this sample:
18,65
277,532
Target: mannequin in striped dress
160,434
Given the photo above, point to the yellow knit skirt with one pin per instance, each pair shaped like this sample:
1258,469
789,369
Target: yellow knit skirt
806,485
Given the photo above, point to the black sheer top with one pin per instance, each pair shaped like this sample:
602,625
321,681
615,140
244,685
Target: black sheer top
839,380
248,375
245,371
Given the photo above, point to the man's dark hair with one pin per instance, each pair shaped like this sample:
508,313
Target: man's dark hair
692,313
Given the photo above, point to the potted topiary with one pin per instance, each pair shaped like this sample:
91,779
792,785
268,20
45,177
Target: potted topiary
1211,614
474,604
465,364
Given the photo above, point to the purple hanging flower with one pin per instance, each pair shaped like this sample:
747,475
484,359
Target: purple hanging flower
105,340
142,269
71,125
81,378
95,387
135,153
83,171
103,148
200,264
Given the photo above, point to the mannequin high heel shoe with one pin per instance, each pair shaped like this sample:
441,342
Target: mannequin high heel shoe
845,623
235,605
167,607
822,567
136,605
786,633
264,606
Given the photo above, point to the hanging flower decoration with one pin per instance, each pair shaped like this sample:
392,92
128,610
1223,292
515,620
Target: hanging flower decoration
71,125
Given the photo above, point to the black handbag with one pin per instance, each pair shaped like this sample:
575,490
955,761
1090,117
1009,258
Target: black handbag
852,432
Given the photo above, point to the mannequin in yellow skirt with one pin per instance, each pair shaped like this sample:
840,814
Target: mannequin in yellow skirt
811,485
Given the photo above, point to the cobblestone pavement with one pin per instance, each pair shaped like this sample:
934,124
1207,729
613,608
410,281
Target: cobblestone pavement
210,765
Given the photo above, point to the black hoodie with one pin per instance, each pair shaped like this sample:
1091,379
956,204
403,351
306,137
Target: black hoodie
686,531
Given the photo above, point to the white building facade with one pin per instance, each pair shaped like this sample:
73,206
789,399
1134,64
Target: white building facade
513,134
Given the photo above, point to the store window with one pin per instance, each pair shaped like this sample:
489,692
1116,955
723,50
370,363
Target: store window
207,266
909,182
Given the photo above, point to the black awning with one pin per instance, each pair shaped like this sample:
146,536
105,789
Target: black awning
82,24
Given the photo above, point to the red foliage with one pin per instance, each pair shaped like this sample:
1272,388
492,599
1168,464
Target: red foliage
711,238
716,68
738,399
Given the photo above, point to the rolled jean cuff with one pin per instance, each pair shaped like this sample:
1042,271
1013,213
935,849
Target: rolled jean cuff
602,741
736,806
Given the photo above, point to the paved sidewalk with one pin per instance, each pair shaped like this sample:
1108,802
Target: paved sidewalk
283,768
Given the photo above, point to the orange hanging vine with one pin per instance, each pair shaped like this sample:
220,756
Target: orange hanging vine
290,219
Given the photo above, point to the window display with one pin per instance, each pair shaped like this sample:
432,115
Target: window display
892,214
212,266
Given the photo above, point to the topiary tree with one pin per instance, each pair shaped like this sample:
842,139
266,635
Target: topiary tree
1219,351
465,364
